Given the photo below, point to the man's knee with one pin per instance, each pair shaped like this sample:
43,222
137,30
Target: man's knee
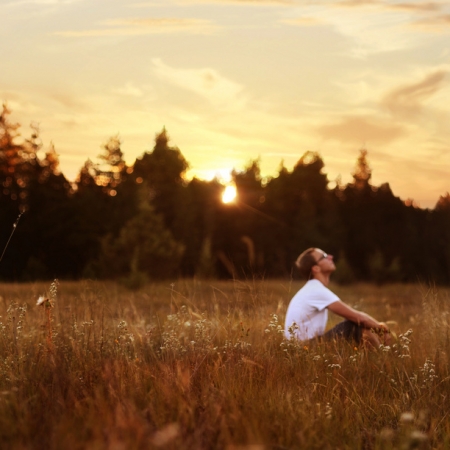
376,338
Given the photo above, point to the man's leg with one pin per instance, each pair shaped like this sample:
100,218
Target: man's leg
348,330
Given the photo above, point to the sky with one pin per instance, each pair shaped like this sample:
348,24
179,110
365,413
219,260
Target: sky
237,80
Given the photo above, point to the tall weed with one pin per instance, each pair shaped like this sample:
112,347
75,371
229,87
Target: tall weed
205,365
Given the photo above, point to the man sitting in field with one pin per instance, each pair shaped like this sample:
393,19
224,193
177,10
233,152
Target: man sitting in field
307,313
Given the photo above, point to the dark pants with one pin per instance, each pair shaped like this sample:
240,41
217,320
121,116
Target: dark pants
348,330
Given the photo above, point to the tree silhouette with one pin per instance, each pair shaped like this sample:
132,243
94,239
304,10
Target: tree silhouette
144,245
162,170
147,220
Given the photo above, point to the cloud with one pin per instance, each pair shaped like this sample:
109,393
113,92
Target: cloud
405,13
383,4
205,82
143,26
360,22
243,2
416,7
361,130
68,101
435,24
304,21
375,26
356,3
146,5
41,2
408,100
129,90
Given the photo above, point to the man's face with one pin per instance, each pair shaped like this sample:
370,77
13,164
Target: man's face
324,261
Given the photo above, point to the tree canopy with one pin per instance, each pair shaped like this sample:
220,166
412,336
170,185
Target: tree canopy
119,220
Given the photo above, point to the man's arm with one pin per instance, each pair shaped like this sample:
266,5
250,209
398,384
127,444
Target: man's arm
347,312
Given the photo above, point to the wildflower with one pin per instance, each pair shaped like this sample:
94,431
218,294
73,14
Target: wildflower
328,411
166,435
292,330
407,417
45,302
54,289
334,366
41,300
49,302
417,436
428,372
387,434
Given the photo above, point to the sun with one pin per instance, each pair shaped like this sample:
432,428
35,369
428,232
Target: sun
229,194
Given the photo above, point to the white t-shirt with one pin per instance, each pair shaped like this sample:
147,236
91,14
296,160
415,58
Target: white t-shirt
308,309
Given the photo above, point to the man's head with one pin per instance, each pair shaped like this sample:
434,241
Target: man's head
314,261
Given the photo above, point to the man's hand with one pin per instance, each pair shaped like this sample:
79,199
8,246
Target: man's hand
384,328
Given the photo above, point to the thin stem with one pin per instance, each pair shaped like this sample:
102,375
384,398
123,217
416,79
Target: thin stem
10,236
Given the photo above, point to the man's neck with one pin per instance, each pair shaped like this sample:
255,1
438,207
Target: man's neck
324,278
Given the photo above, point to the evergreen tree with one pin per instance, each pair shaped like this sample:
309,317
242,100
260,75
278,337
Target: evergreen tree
303,206
162,171
144,245
41,246
200,205
358,215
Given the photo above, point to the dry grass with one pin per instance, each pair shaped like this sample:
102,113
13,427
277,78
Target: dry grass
201,365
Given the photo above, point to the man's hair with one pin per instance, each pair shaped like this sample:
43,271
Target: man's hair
305,262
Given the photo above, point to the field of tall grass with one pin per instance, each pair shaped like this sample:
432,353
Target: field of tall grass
202,365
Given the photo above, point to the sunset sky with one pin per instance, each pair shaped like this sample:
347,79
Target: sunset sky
236,80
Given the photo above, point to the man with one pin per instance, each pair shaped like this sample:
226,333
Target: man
307,313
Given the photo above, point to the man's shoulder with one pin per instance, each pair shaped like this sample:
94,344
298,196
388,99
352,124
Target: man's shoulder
315,285
313,288
317,289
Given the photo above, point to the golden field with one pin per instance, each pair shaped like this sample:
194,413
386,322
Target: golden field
193,364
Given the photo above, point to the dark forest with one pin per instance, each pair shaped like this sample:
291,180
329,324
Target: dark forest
145,221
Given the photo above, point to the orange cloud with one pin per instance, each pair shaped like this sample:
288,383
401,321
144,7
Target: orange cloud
357,3
142,26
244,2
419,7
413,7
41,2
437,24
304,21
206,82
356,129
408,100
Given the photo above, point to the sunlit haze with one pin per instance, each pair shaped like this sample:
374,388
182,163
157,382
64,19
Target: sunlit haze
237,80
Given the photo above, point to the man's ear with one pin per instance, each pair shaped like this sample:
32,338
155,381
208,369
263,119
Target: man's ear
315,268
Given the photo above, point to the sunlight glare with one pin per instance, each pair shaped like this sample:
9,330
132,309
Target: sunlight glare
229,194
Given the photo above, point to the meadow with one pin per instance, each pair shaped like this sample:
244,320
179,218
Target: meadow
201,364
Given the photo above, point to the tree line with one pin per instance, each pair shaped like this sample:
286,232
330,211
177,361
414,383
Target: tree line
145,221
